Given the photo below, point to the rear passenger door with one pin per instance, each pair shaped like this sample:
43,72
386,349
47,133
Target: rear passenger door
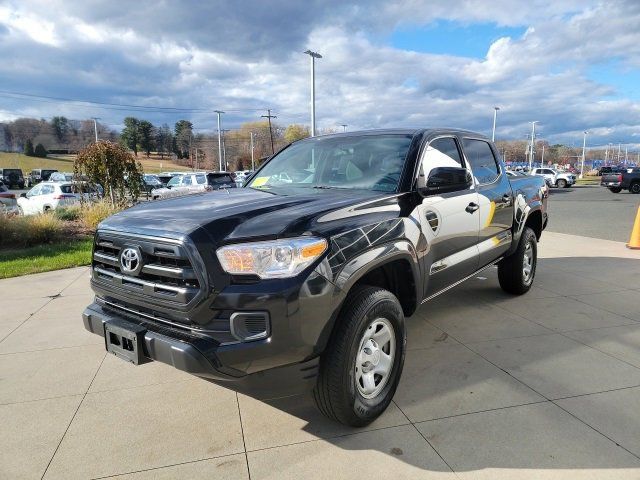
495,199
449,222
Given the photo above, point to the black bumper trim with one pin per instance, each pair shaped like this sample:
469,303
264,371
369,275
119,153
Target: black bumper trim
275,382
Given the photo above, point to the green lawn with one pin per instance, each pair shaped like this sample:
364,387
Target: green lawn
44,258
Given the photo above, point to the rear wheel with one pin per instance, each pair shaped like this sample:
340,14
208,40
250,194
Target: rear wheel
361,367
517,271
615,189
635,187
561,183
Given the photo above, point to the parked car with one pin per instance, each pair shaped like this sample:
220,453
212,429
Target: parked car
48,196
555,178
190,183
8,203
38,175
62,177
164,177
150,183
627,180
275,288
12,177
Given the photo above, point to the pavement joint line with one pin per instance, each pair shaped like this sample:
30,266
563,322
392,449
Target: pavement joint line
73,417
49,349
151,469
595,393
33,400
329,438
605,310
173,382
244,444
563,334
496,409
425,439
51,298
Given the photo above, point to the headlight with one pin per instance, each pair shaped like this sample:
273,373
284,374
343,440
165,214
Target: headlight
271,259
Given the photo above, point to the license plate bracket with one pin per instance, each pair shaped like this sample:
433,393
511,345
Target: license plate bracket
125,340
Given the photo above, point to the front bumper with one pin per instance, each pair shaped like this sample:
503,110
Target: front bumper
199,356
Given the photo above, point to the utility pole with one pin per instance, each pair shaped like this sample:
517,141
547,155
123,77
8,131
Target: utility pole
269,117
495,116
344,127
542,161
584,148
219,112
619,145
606,155
253,163
626,155
95,126
313,56
224,151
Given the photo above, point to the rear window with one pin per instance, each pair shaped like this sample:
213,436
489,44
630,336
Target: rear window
220,179
66,188
483,163
12,171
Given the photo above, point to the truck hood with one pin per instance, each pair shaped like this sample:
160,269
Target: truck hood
245,213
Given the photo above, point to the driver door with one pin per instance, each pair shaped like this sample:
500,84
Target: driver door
450,222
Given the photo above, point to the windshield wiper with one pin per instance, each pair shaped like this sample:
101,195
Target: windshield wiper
327,187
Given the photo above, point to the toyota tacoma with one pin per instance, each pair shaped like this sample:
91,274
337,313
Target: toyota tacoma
303,278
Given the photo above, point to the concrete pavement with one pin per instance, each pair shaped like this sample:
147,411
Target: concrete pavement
541,386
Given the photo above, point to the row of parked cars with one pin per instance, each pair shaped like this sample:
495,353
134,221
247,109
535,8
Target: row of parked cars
52,189
552,177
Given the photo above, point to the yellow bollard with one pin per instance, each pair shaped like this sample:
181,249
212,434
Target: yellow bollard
634,241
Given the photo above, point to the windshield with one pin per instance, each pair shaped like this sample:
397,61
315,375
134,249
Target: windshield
364,162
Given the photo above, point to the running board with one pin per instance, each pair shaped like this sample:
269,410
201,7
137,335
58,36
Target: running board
446,289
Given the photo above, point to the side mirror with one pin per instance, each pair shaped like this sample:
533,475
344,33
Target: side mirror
446,179
23,195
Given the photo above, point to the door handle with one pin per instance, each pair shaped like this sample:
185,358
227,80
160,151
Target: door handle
472,207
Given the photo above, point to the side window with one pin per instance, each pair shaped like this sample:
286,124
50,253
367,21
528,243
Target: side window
34,191
483,163
441,152
47,190
200,179
186,180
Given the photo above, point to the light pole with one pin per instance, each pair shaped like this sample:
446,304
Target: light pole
495,116
584,148
313,56
344,127
219,112
533,139
95,126
253,163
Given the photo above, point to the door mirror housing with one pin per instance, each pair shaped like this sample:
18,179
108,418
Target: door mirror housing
445,180
23,195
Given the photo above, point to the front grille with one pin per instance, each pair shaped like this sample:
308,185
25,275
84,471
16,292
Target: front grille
167,272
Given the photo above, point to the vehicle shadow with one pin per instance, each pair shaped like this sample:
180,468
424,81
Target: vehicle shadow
485,387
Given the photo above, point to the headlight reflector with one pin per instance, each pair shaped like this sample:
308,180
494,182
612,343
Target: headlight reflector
271,259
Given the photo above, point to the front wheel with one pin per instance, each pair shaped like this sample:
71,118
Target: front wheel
361,367
562,183
615,189
516,272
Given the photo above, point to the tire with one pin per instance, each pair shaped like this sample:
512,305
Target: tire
635,187
561,183
20,212
342,391
512,275
615,189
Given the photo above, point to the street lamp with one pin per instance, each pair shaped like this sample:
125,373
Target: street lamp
344,127
495,116
584,147
313,56
533,139
95,126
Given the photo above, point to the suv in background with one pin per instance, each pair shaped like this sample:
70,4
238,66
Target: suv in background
38,175
554,178
12,177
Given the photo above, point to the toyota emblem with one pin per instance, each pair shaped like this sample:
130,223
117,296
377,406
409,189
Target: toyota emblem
130,261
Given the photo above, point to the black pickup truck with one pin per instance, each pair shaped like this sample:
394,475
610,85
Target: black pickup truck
628,179
302,279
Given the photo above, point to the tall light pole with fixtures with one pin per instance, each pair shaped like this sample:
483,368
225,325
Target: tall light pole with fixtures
495,116
219,112
344,127
584,148
95,126
533,139
313,56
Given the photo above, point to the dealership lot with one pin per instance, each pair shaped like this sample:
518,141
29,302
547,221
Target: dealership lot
542,387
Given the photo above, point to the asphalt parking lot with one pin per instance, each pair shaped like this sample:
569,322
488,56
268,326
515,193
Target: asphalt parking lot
541,386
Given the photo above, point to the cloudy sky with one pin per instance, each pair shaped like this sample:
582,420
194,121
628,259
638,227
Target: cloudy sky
571,65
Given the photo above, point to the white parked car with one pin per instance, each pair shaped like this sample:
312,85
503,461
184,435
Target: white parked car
51,195
198,182
555,178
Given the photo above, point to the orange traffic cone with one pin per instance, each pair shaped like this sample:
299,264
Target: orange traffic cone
634,241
